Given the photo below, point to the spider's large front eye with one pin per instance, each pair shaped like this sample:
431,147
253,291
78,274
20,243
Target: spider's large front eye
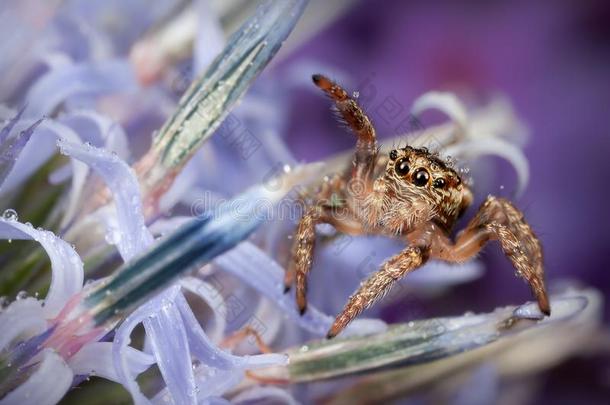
402,167
421,177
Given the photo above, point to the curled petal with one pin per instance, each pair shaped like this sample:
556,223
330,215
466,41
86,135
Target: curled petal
98,130
498,147
445,102
246,259
47,385
96,359
214,300
22,318
134,237
176,338
66,265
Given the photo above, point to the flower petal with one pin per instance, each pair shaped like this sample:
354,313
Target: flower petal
134,237
96,359
176,337
210,37
22,318
445,102
213,299
98,130
66,265
47,385
11,148
246,259
88,79
171,350
498,147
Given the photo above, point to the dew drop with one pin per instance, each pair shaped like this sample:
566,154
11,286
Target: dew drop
356,94
113,236
10,215
21,295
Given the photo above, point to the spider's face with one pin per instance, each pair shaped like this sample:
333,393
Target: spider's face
425,181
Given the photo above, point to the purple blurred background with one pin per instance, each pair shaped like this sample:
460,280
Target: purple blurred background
552,59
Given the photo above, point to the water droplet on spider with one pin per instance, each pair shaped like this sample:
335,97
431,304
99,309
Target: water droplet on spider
21,295
356,94
10,215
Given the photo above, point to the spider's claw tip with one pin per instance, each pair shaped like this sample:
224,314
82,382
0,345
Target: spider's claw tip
302,311
286,289
322,82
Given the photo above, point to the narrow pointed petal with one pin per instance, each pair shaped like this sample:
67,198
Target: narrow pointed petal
11,148
8,127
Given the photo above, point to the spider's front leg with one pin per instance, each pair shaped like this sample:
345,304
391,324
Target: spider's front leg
378,284
497,219
354,116
302,254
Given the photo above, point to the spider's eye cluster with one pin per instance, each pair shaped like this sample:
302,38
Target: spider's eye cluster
393,154
439,183
402,167
421,177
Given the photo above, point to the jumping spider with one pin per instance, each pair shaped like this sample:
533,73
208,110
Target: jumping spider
413,195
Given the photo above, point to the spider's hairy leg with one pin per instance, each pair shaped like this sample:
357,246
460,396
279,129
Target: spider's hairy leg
366,145
378,284
497,219
302,254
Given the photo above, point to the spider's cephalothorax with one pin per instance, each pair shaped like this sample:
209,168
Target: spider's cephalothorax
412,194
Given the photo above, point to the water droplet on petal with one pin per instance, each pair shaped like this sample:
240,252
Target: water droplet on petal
10,215
21,295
